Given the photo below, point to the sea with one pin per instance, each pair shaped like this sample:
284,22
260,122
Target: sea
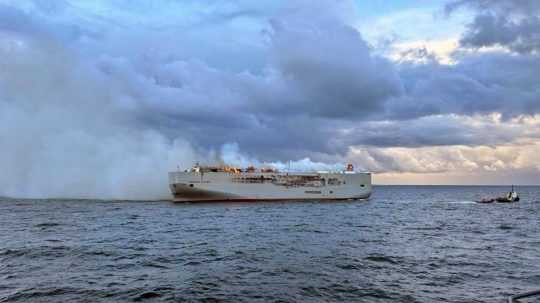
404,244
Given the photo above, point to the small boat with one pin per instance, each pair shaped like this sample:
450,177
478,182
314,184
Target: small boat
511,196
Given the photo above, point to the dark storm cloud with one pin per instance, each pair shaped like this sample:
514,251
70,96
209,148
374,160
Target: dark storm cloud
510,23
478,83
488,30
332,67
500,6
432,131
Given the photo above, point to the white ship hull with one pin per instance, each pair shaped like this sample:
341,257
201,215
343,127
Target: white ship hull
222,186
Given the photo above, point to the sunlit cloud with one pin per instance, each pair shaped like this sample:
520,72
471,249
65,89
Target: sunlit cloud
423,50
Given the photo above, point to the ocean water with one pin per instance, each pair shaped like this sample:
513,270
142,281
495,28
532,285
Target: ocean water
406,244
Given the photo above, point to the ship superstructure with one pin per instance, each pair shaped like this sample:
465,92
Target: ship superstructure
226,183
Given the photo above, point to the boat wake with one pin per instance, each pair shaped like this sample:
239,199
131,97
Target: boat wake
462,202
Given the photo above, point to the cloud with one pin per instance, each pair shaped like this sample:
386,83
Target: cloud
451,159
330,65
500,6
478,83
509,23
425,51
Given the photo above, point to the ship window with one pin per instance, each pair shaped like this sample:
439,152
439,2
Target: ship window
334,181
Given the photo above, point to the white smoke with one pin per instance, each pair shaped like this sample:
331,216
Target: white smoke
66,132
230,154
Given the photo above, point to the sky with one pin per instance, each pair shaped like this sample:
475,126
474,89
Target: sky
102,98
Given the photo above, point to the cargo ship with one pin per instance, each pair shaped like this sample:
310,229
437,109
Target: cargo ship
226,183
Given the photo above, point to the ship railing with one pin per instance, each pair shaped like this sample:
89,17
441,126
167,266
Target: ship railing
516,298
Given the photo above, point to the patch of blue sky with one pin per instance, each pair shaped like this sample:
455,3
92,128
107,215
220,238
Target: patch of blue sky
408,21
